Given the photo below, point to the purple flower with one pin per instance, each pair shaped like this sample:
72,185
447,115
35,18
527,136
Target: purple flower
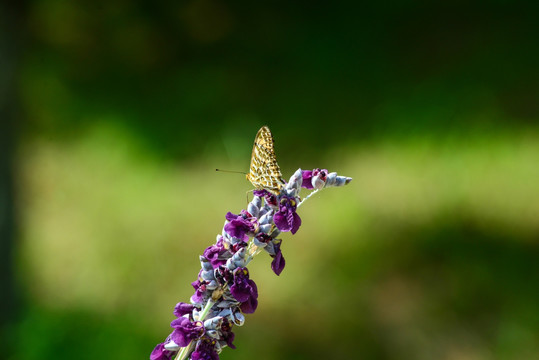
215,253
205,350
160,353
244,290
240,225
182,308
260,193
200,291
314,179
278,263
307,177
185,331
263,237
320,176
223,275
269,198
286,218
250,305
228,335
234,248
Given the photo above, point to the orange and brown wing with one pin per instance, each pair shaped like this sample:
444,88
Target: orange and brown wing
264,172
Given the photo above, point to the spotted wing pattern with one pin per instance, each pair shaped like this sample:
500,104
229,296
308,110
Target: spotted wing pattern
265,172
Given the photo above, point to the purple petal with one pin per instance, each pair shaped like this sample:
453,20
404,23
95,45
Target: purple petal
238,228
254,289
229,338
200,291
260,193
185,331
228,335
179,323
182,308
229,216
240,290
307,176
215,254
322,173
160,353
280,221
250,306
179,338
205,350
278,263
296,223
290,218
244,290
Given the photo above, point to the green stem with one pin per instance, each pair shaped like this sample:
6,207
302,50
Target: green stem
185,351
308,196
206,310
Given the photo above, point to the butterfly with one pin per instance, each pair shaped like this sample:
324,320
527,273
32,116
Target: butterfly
264,171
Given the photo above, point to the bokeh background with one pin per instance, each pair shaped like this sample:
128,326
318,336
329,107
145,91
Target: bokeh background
115,114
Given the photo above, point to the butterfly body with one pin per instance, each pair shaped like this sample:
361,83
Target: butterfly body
264,172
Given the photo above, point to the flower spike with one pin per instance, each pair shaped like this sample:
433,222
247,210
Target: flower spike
224,291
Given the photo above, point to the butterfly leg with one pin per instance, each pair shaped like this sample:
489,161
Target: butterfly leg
247,195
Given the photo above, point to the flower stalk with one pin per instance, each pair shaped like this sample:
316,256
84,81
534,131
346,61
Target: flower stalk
223,290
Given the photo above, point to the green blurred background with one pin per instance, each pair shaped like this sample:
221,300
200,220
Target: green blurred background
116,113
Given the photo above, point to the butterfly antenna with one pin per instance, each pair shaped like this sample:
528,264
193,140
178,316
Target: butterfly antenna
230,171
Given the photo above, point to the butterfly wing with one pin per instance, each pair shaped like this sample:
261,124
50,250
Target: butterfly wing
264,172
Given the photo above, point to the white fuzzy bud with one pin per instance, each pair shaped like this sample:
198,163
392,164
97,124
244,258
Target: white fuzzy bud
334,180
266,218
295,181
253,209
238,318
172,346
317,182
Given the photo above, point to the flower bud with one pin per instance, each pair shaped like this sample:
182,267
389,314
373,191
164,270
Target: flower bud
207,275
211,285
295,181
205,264
266,218
318,182
253,209
213,323
265,228
238,318
172,346
334,180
